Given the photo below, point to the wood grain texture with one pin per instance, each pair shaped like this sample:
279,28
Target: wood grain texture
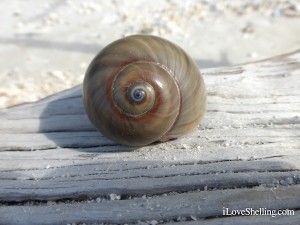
55,168
198,204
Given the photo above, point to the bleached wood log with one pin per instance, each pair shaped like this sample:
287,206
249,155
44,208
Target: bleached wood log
54,165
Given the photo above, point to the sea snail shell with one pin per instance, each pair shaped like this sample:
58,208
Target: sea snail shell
142,89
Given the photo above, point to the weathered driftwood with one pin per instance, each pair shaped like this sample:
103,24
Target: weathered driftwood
57,169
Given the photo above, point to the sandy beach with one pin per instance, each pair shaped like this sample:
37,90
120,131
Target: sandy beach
46,46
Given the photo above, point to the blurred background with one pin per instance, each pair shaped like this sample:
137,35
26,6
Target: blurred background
46,46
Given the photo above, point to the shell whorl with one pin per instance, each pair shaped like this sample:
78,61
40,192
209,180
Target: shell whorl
141,89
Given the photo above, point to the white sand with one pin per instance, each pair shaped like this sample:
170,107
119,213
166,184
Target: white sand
46,46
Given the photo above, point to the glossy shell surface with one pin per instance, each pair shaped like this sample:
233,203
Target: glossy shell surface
142,89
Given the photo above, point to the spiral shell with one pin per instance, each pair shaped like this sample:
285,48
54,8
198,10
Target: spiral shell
142,89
